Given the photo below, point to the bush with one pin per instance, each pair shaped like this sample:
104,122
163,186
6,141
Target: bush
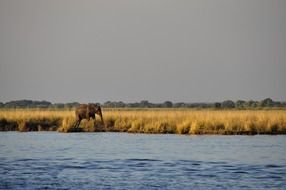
184,127
67,124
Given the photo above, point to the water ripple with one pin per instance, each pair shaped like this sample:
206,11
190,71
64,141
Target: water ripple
78,169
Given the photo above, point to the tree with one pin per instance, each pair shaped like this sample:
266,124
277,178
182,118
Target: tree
251,104
59,105
71,105
240,104
179,105
167,104
217,105
120,104
227,104
144,104
268,102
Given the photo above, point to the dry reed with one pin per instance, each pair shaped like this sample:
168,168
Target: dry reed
151,121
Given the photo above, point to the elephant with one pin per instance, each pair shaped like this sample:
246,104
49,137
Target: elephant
87,111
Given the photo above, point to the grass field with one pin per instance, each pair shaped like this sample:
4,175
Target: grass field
178,121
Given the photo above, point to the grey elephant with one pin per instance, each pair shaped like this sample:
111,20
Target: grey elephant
87,111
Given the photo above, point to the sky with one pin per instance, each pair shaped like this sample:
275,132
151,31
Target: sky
133,50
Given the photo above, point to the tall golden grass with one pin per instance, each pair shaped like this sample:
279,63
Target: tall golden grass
151,121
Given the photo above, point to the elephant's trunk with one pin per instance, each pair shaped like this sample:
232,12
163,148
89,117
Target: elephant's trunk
100,114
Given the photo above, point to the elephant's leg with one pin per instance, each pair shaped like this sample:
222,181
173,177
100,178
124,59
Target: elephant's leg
77,123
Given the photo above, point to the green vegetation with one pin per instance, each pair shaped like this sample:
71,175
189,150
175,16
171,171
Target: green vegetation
228,104
177,121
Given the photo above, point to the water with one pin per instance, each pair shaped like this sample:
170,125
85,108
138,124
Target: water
50,160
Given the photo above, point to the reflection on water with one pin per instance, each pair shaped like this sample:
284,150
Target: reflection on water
49,160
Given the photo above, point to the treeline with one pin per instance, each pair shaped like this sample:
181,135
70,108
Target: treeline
228,104
36,104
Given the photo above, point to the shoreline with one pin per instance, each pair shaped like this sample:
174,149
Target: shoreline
187,122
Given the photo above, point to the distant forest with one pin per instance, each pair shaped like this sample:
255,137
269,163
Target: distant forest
228,104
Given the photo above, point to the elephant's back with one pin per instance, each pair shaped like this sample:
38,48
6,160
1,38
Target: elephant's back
80,109
81,106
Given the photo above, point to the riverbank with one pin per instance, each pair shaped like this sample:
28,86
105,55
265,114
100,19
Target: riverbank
174,121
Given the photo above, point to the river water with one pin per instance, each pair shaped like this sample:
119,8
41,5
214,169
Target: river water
51,160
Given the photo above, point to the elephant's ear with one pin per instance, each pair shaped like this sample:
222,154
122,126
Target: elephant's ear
88,108
97,107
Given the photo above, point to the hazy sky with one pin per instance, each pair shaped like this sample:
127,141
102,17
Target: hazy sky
130,50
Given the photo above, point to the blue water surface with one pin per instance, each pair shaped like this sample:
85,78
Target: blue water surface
51,160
